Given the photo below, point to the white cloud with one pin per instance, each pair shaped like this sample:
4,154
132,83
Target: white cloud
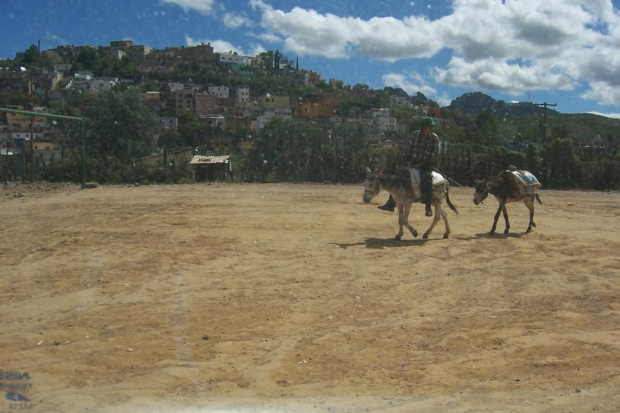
223,46
389,39
489,74
602,93
55,38
270,38
411,83
512,46
307,32
258,49
202,6
234,21
442,100
607,115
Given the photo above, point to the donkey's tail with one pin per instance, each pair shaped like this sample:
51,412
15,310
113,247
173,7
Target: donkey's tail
452,207
538,199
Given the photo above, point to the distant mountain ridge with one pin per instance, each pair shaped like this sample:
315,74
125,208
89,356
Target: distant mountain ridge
475,102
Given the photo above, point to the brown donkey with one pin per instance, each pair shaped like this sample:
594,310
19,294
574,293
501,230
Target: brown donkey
506,188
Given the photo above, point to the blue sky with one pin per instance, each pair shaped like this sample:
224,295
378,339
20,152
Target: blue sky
556,51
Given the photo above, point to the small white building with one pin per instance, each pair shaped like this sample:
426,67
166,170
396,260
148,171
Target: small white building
83,76
168,122
242,96
263,119
386,123
219,91
175,86
101,84
62,67
211,168
235,59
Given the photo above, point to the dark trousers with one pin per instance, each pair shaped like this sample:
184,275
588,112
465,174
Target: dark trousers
426,183
426,186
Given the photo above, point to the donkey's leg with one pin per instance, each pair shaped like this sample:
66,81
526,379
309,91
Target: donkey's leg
406,222
499,210
401,221
529,203
505,211
444,216
436,218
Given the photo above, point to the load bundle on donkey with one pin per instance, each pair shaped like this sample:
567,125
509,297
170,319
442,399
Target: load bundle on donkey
404,186
508,186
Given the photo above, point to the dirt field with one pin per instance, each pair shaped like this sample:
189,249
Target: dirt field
284,297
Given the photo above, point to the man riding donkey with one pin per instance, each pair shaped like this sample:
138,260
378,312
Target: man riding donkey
422,154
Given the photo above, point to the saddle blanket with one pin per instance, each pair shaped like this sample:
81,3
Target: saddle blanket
528,183
438,179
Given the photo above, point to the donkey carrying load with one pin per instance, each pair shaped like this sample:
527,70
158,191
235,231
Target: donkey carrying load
404,186
509,186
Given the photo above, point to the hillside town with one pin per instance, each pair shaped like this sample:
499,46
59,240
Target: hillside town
209,108
228,107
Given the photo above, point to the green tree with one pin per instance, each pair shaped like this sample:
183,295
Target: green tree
532,160
266,155
351,147
33,59
486,128
31,56
605,174
560,165
114,67
120,126
88,59
285,150
190,129
169,140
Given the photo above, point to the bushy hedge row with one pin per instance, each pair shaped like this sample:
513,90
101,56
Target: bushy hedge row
292,154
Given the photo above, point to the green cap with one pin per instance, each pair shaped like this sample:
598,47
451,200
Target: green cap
428,121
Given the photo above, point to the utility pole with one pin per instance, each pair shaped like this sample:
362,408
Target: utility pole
544,125
31,87
31,93
48,115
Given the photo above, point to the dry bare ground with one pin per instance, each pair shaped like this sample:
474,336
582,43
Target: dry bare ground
295,297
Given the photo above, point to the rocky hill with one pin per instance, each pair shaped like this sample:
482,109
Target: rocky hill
474,103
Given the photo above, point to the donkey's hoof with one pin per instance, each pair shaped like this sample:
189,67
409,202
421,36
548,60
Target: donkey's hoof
425,236
397,238
506,231
446,236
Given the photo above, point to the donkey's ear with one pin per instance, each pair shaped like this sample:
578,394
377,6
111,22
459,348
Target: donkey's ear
368,170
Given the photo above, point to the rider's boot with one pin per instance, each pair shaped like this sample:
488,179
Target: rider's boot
429,211
389,205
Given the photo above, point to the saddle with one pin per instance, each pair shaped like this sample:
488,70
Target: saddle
526,181
414,173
